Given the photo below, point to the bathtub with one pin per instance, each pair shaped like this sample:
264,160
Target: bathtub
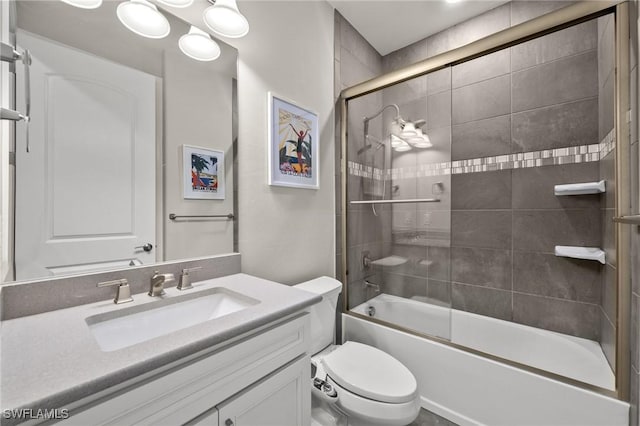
472,390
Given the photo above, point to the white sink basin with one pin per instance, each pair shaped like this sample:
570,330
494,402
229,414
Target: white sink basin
126,327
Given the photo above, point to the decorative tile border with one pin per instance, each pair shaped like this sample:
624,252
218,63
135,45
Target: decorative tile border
521,160
608,144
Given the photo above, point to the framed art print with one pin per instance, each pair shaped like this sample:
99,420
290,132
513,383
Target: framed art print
293,145
203,173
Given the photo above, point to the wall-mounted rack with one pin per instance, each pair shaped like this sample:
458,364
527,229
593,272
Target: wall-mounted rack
580,188
631,219
586,253
390,261
405,201
173,216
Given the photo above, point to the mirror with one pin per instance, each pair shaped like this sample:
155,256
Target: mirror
111,113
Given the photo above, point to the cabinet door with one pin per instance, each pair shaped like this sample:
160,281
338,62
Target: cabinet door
281,399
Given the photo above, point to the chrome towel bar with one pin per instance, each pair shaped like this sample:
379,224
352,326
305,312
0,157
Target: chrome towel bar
173,216
411,200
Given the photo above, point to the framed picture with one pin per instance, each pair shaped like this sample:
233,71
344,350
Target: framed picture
203,173
293,145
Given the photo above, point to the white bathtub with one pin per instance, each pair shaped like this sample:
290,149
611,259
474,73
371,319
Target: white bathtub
470,389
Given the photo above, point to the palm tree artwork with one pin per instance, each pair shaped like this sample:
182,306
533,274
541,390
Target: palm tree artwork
201,180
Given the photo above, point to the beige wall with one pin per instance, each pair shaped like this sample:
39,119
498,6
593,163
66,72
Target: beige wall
197,112
285,234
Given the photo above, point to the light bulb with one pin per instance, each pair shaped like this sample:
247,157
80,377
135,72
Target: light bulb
198,45
224,18
417,138
396,141
84,4
402,147
408,130
425,143
143,18
176,3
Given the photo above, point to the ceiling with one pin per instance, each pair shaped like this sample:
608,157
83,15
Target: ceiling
392,24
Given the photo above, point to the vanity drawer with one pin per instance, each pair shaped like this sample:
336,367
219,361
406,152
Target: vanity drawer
183,393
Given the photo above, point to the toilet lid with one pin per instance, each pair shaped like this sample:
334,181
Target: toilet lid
370,373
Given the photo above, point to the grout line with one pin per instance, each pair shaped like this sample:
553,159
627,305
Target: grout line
573,55
560,104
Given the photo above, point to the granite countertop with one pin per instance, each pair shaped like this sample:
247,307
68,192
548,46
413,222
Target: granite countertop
51,359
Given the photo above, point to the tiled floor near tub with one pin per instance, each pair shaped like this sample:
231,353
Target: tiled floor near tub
427,418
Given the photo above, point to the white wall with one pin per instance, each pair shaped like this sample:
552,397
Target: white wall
197,112
6,170
285,234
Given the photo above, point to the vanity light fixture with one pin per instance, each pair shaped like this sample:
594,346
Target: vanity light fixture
84,4
224,18
420,140
199,45
408,131
396,141
176,3
403,147
143,18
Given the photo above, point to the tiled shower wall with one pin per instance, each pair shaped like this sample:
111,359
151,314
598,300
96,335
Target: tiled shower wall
356,61
505,223
606,80
499,270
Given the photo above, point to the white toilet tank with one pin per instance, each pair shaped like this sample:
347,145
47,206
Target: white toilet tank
323,314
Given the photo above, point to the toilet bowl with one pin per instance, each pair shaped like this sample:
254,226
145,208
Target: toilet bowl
363,384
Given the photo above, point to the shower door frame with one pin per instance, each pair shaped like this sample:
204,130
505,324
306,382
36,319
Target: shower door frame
560,19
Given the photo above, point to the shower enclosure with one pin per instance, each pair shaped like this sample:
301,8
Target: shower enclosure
479,191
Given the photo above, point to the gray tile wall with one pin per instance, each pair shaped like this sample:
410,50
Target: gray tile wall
606,76
504,224
499,271
355,61
635,208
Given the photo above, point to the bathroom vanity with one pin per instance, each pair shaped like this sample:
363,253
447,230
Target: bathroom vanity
244,367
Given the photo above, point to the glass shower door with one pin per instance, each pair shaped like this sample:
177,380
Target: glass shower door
398,205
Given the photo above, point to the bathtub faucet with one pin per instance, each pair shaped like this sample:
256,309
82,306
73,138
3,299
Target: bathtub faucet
368,283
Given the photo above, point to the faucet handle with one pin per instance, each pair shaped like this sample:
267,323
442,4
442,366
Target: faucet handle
185,278
123,294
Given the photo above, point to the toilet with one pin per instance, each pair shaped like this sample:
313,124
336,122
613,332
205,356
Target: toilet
354,384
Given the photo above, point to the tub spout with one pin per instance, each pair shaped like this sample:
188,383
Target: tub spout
367,283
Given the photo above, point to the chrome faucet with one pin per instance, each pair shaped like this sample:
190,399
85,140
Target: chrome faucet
157,282
367,283
185,278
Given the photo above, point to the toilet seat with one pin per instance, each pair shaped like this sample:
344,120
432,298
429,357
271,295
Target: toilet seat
370,373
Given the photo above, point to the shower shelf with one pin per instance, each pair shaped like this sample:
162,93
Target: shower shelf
587,253
405,201
580,188
390,261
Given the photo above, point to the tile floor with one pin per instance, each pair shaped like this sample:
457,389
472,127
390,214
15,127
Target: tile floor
427,418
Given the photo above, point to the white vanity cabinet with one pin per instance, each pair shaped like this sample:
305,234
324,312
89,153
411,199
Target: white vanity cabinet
262,379
276,400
